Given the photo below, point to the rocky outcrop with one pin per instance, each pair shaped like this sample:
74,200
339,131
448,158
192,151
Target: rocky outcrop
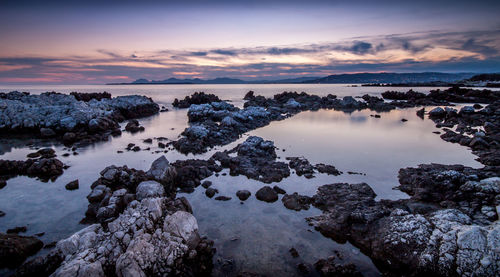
304,168
118,186
256,159
44,169
71,118
154,237
477,129
196,98
425,234
14,249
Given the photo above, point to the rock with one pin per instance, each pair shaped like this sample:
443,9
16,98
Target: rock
255,159
160,170
296,202
279,190
47,133
206,184
133,126
153,237
222,198
69,138
292,104
266,194
15,249
437,112
330,267
148,189
72,185
293,252
2,213
16,230
328,169
467,110
210,192
148,140
243,194
196,98
53,113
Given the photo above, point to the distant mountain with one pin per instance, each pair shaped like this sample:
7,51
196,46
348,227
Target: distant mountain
384,78
188,81
357,78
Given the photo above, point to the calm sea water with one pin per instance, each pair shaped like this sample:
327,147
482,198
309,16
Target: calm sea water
254,236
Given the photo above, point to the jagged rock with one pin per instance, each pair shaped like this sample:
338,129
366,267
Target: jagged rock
149,189
154,237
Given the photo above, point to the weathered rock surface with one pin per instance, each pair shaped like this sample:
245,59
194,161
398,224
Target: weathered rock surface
153,237
75,117
446,228
256,159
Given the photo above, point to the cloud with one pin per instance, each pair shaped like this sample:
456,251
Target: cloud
474,51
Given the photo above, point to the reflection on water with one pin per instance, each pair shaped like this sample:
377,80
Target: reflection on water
254,236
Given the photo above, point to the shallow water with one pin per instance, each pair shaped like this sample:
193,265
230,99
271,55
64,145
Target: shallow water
254,236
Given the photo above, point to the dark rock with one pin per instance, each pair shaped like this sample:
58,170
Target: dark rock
15,249
210,192
255,159
330,267
293,252
222,198
47,133
133,126
266,194
243,194
279,190
196,98
16,230
2,213
72,185
206,184
86,97
296,202
69,138
148,140
328,169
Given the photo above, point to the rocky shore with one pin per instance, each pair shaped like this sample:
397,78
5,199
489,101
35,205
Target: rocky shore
78,117
143,230
449,226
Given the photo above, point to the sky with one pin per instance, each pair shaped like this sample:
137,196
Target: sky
96,42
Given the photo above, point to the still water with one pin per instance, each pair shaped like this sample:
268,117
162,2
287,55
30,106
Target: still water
254,236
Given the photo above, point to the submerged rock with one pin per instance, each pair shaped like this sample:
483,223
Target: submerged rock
72,185
14,249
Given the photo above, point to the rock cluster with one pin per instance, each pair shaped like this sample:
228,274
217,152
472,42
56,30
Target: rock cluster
477,129
303,167
256,159
153,237
71,118
219,123
197,98
453,234
143,230
43,168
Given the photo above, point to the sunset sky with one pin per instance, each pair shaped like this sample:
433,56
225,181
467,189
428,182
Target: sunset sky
97,42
